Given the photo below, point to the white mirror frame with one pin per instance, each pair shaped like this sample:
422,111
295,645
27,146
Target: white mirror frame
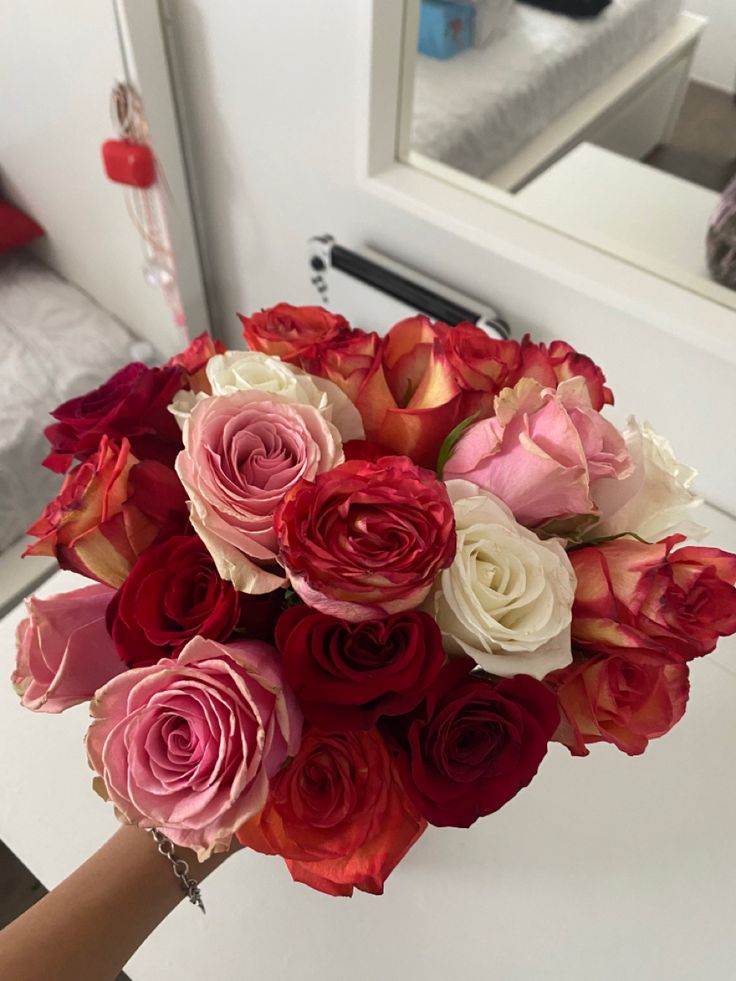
702,315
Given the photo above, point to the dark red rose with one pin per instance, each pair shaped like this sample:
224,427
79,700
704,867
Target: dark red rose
194,361
173,593
364,449
347,675
473,743
636,595
337,813
132,404
623,700
289,332
558,362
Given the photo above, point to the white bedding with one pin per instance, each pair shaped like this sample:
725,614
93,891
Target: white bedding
477,110
55,342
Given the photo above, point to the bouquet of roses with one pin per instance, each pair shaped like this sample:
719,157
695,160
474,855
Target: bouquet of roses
346,586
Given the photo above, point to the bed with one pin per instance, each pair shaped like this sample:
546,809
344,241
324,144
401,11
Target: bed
55,342
498,113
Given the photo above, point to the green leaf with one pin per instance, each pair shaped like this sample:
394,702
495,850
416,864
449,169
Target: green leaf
450,442
291,598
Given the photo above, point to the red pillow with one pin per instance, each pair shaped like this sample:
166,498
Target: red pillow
16,229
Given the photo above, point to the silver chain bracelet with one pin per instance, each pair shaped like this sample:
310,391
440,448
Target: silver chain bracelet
181,868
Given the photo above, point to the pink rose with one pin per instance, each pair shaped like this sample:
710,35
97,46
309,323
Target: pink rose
64,652
189,746
541,451
242,453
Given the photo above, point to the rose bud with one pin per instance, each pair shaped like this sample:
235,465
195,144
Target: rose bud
64,652
193,360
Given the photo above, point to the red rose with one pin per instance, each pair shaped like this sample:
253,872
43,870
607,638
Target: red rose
338,814
289,332
624,700
554,364
473,743
194,361
173,593
133,404
366,539
633,595
109,509
347,675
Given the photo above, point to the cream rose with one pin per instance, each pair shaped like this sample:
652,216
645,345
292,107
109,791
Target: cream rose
506,600
244,371
655,500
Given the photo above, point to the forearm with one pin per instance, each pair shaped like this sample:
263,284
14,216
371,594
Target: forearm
89,927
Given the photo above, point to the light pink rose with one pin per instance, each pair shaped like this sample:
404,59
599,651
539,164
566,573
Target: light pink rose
242,453
188,746
540,451
64,652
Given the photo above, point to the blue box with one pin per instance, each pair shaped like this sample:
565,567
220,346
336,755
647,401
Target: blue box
445,29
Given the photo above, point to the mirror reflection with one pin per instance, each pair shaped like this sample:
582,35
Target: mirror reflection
611,120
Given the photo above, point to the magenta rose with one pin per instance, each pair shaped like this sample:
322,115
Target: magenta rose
366,540
64,653
541,451
132,404
243,453
189,746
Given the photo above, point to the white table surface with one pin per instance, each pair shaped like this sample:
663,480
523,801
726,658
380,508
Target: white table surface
604,869
652,218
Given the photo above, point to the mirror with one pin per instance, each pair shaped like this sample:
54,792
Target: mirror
612,121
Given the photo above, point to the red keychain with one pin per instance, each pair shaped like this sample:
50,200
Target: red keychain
129,163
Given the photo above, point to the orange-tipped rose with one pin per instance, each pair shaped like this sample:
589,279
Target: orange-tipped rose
109,509
414,386
288,332
624,700
194,358
338,814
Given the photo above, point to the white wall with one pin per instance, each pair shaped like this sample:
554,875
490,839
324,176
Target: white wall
57,65
715,62
277,104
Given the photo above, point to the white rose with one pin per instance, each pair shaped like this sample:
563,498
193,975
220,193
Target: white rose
506,600
655,500
243,371
238,371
